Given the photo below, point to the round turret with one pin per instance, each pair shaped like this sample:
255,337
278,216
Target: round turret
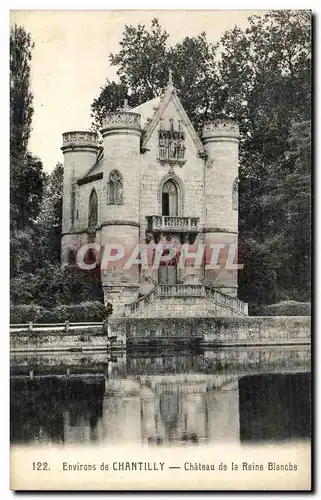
80,153
220,138
121,132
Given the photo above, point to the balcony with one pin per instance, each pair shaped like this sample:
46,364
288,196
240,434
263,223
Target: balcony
168,223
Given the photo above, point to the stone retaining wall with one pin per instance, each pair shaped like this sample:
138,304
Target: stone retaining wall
81,340
250,330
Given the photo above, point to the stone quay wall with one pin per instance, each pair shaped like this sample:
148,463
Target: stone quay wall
146,332
250,330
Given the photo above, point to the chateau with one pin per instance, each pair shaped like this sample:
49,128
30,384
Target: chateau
153,180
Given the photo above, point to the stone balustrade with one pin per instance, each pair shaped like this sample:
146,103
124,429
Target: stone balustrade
186,290
139,305
79,138
181,291
221,128
122,117
226,301
173,224
204,291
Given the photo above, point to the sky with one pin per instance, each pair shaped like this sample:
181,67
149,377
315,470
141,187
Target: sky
70,61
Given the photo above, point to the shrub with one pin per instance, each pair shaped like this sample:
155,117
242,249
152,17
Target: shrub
25,313
85,311
53,285
283,308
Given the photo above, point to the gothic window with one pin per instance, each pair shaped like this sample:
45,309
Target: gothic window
115,188
169,198
235,194
171,144
93,209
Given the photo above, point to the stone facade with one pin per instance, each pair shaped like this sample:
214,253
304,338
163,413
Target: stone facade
151,179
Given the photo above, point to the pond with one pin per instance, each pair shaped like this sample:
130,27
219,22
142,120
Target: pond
160,399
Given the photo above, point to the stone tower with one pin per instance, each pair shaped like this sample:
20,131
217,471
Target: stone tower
80,153
120,217
221,143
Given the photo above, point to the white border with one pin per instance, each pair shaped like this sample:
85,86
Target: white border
4,198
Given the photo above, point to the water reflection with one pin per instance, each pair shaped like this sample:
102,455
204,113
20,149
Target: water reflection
159,400
275,407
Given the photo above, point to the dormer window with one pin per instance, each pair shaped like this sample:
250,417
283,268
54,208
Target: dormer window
172,144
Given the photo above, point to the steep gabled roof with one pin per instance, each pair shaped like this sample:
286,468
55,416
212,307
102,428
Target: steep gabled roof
147,110
98,166
161,103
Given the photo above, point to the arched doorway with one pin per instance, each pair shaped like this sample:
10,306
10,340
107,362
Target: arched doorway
170,198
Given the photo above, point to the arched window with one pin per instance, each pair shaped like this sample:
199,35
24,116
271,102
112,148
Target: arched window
169,198
115,188
171,195
93,209
235,194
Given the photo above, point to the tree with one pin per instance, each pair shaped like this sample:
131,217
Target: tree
26,189
26,171
26,176
111,98
143,65
50,218
267,69
141,60
21,98
51,285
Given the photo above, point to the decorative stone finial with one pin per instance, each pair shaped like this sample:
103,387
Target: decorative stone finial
125,107
170,77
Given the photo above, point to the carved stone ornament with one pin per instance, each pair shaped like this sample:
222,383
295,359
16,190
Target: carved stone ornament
221,127
79,138
119,117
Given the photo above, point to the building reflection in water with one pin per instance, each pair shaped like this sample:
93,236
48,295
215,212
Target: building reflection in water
162,409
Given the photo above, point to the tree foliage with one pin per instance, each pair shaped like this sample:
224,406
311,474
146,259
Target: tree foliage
26,171
51,285
21,97
267,69
50,218
143,64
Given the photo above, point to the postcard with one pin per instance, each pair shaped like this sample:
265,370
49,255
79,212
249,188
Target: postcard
160,250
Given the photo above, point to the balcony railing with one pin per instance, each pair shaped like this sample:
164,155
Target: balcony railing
173,224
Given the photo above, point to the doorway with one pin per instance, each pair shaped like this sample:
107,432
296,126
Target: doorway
167,272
